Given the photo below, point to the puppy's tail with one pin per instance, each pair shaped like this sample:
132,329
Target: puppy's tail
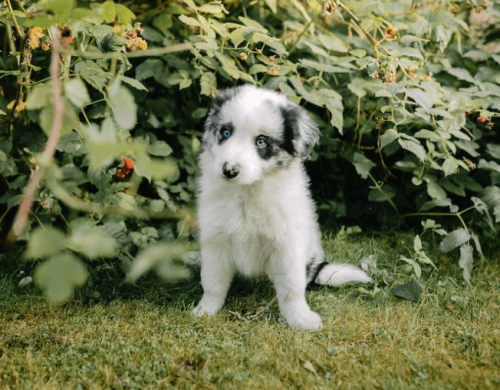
335,274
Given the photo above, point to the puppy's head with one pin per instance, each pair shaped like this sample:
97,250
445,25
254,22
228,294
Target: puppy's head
251,133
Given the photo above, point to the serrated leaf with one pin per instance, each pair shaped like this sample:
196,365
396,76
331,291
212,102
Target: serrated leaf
91,241
417,244
108,11
189,21
493,150
59,276
148,68
450,166
453,240
211,8
44,242
123,14
388,137
132,82
420,97
435,191
77,93
160,149
161,257
413,147
123,104
387,192
362,164
57,6
410,291
333,43
462,74
70,119
40,96
208,82
466,261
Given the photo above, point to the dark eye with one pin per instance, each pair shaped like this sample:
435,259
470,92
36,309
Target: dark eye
260,142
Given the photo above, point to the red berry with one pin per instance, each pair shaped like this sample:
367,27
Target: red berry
481,119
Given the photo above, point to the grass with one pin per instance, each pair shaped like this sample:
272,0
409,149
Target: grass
146,338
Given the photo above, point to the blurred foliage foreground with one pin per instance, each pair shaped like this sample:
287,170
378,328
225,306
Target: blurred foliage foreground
102,103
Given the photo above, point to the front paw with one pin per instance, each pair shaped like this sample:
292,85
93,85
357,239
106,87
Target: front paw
208,306
304,319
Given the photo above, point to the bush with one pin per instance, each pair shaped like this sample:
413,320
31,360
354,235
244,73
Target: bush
406,94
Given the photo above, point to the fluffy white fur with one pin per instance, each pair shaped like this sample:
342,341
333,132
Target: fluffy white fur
259,218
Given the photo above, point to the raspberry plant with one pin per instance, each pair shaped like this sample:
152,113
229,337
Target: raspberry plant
406,94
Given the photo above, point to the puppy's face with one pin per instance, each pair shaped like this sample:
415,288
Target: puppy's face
252,133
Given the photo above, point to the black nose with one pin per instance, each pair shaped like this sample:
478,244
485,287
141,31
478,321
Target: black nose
230,171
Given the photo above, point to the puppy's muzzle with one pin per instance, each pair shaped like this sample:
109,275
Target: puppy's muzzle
230,171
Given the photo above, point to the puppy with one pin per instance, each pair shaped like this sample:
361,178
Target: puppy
255,212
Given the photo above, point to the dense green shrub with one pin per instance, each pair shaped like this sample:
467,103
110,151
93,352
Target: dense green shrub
406,94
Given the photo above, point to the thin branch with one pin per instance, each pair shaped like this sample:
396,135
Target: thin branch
159,51
18,29
21,218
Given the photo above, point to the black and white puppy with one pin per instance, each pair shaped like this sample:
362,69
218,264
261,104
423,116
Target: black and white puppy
255,211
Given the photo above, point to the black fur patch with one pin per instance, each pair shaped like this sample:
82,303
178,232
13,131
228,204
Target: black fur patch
269,151
290,128
310,269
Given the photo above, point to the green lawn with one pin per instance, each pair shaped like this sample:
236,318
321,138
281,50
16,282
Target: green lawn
146,338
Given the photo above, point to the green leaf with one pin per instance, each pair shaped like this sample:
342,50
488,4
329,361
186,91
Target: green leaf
417,244
333,43
413,147
45,242
57,6
211,8
388,137
410,291
40,96
161,257
461,74
435,191
109,11
453,240
450,166
466,261
123,14
59,276
133,83
77,93
420,97
189,21
90,241
149,68
70,119
123,104
160,149
387,192
208,82
493,150
362,164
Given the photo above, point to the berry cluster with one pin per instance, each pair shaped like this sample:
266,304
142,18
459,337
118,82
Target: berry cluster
273,68
134,41
38,39
128,165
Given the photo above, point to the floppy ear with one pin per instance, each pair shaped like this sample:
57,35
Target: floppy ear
300,131
213,118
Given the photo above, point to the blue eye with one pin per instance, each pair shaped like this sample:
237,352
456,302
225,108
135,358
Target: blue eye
226,133
260,142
